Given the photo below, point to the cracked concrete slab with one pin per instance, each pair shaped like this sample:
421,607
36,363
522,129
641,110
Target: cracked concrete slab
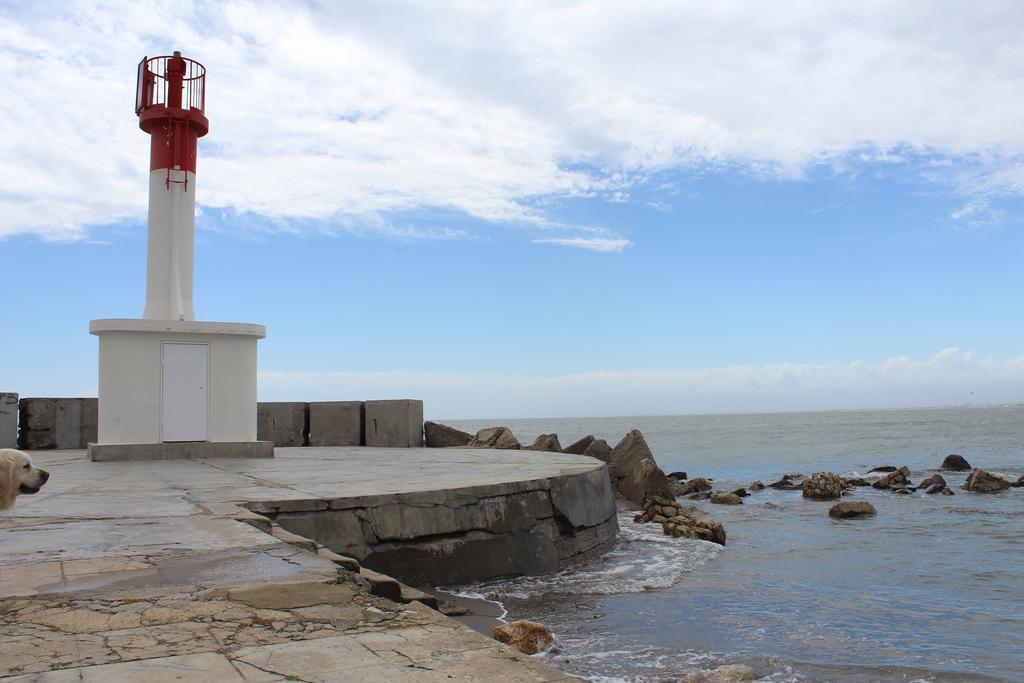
128,571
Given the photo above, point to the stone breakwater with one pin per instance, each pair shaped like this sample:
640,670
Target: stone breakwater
465,534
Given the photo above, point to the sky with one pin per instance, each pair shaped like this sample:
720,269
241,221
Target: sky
540,209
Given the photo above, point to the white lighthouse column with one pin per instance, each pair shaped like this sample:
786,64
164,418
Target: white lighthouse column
171,246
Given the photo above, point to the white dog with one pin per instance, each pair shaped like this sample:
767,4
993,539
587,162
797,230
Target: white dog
18,475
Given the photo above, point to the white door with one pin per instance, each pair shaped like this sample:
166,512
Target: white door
184,379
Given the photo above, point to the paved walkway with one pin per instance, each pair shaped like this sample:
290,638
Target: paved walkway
130,570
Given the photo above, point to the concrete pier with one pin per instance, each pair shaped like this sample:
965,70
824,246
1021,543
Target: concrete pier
117,571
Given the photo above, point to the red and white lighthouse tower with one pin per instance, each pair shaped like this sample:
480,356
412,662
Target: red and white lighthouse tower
171,386
170,102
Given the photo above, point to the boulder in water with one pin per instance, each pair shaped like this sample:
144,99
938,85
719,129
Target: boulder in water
547,443
883,468
785,484
931,481
1019,482
680,476
894,480
634,472
442,436
955,463
756,486
742,493
495,437
682,521
846,509
856,481
980,481
936,488
528,637
579,447
723,498
823,486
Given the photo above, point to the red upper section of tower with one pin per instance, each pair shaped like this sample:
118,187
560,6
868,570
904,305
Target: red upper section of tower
170,100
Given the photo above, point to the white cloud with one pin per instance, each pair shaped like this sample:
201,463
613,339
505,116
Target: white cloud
605,244
360,109
951,377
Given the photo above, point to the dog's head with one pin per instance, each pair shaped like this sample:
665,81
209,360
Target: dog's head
18,476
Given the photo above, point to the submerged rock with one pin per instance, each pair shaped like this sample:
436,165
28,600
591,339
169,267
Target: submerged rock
785,484
742,493
1019,482
955,463
495,437
723,498
846,509
700,495
634,472
442,436
528,637
681,476
856,481
936,488
730,673
823,486
547,443
579,447
980,481
756,486
882,468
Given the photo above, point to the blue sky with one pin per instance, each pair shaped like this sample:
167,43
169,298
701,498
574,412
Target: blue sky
544,210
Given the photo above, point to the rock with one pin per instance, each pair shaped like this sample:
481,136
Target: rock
1019,482
785,484
442,436
579,447
528,637
823,486
495,437
857,508
723,498
904,491
896,479
680,521
681,476
883,468
730,673
742,493
980,481
700,495
547,443
948,492
936,488
955,463
856,481
931,481
599,449
634,472
756,486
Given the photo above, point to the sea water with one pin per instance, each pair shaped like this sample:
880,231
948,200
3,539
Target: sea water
930,589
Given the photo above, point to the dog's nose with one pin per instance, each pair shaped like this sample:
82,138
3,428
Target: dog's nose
45,475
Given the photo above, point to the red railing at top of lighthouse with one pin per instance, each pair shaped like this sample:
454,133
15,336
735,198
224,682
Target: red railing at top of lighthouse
172,81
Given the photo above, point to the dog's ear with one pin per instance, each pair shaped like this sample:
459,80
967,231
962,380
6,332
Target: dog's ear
8,481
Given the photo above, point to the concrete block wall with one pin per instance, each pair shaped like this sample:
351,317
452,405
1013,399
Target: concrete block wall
8,420
46,423
396,424
282,423
337,423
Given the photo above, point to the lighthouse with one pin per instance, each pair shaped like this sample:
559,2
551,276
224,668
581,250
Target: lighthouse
170,385
170,104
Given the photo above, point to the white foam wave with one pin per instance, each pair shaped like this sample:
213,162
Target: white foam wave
642,559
